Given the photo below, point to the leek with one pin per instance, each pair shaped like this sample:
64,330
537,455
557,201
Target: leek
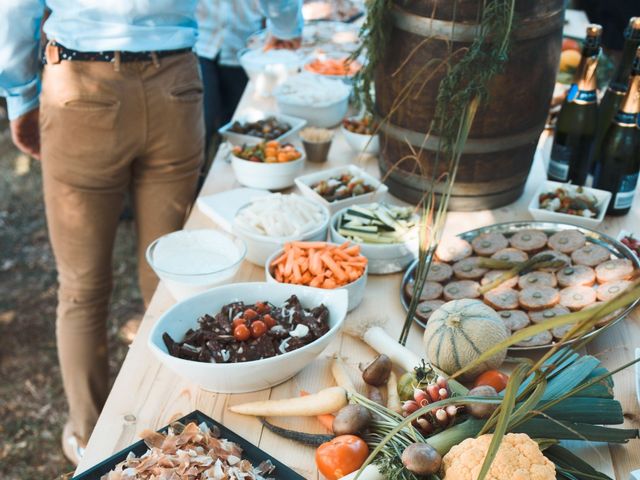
561,430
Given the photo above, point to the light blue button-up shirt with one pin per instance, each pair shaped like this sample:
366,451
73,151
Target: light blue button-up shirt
102,25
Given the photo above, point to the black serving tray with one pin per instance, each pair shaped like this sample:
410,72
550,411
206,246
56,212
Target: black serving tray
250,452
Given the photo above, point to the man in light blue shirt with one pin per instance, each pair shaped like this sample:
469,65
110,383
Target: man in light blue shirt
119,109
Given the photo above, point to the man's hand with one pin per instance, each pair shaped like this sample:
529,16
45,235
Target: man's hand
279,44
25,132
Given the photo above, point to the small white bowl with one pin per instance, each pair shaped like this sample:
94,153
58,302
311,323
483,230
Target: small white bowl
361,143
260,247
253,115
245,376
603,198
383,258
356,289
270,176
193,261
305,182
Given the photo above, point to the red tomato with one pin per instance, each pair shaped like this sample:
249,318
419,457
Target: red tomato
269,321
250,314
238,321
241,333
493,378
258,328
341,456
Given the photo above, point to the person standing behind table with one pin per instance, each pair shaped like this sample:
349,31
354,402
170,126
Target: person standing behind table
223,29
119,109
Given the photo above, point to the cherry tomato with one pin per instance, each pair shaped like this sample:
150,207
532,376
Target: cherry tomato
258,328
241,333
341,456
570,44
238,321
269,321
262,307
250,314
493,378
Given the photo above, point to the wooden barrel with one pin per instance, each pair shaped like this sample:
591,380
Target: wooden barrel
502,141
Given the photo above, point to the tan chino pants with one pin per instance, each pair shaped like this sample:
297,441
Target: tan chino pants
107,129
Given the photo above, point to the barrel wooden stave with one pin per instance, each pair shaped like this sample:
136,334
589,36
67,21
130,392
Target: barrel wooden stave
516,111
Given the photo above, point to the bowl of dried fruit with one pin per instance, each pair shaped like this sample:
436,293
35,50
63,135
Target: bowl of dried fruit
270,165
246,337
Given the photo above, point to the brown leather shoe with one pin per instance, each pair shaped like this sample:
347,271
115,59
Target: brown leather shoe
71,444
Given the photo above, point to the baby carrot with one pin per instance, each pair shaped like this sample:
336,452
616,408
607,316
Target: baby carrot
333,266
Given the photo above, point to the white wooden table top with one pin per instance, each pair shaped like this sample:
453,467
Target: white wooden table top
149,395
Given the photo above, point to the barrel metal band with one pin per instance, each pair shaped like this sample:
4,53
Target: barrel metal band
473,145
467,32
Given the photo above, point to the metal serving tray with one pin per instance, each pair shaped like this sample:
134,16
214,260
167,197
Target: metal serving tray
617,249
249,452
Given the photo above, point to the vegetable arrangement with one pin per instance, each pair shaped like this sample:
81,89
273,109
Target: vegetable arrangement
378,223
444,429
269,152
319,264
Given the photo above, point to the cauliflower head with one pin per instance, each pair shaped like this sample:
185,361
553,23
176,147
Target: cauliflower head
518,458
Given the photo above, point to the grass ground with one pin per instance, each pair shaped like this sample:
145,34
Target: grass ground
32,403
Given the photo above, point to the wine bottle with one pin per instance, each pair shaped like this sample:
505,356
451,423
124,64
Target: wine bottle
576,127
617,169
610,102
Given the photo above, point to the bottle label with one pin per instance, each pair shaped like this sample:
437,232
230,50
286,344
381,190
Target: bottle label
559,162
625,119
624,197
581,97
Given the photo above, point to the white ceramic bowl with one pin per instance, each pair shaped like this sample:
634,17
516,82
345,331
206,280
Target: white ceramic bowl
193,261
360,142
270,176
543,215
269,69
260,247
253,115
318,114
246,376
355,289
305,182
383,258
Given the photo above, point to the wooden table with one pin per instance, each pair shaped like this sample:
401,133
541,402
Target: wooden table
149,395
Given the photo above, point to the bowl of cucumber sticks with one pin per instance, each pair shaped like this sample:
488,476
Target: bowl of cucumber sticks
387,234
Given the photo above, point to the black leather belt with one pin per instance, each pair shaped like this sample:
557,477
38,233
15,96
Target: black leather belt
64,53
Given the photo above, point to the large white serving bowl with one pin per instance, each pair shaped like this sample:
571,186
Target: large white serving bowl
192,261
383,257
260,247
356,289
246,376
270,176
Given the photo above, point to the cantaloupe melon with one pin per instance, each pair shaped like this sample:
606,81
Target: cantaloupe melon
459,332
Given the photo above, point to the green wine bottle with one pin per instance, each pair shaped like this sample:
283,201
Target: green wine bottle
577,119
610,102
617,169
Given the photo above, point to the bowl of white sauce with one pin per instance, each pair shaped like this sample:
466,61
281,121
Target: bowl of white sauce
193,261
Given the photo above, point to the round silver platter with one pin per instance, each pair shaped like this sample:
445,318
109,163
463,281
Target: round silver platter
617,249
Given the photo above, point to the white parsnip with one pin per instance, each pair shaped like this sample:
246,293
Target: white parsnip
329,400
378,339
340,374
393,399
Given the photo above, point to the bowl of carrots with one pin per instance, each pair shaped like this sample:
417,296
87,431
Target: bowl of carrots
321,265
339,68
270,165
